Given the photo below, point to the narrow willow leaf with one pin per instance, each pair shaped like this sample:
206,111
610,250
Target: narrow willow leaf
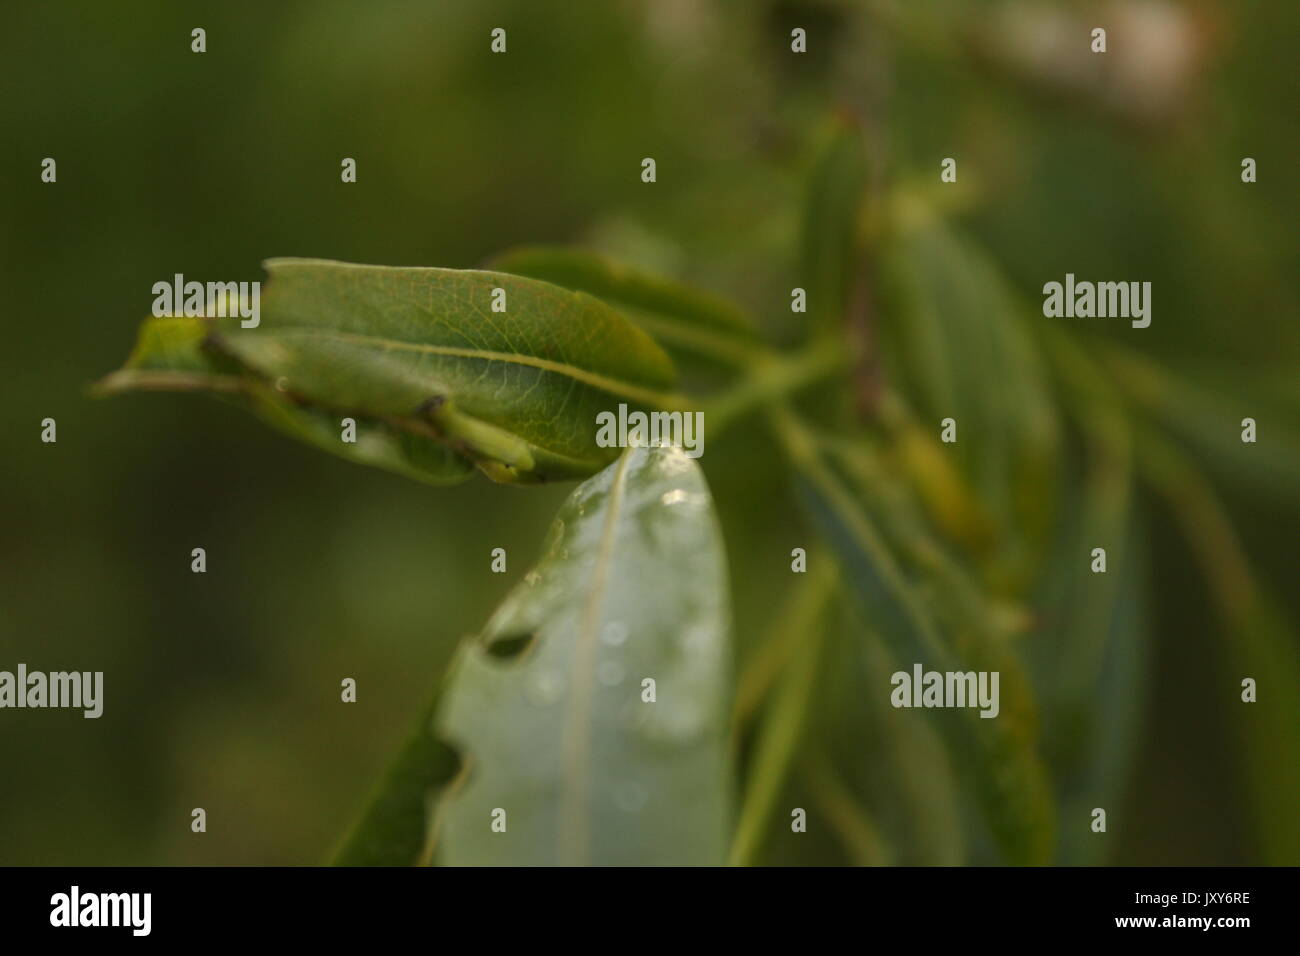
1088,654
978,629
951,503
892,767
558,734
859,832
1260,643
1263,646
920,791
996,755
798,615
1208,420
957,338
680,317
170,356
781,734
422,350
1090,647
394,829
830,247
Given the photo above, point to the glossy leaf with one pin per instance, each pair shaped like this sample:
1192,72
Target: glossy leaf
423,351
547,708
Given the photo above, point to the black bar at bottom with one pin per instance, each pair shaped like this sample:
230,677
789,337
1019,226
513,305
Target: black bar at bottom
214,905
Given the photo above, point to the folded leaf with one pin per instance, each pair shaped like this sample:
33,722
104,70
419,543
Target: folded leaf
170,355
549,708
516,391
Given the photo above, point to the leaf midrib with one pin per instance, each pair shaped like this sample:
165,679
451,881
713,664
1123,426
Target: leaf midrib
573,830
647,396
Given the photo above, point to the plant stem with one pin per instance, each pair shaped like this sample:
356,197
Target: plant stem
858,832
783,728
773,377
802,608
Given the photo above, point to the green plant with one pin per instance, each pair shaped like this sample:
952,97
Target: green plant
932,553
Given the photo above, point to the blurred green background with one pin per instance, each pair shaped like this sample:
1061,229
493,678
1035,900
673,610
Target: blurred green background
222,690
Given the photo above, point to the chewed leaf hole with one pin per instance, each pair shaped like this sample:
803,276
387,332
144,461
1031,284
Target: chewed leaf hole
449,762
510,646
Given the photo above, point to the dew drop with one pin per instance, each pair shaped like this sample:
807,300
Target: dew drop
545,688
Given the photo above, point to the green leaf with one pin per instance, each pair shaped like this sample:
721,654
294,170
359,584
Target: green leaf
1089,654
959,341
170,356
998,755
378,443
896,766
1089,657
546,707
1208,420
1259,640
784,724
1262,644
682,318
422,351
394,829
830,246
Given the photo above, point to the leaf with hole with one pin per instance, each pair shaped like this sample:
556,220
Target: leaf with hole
551,710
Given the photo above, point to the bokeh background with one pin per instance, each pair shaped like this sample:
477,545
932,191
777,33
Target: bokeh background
222,689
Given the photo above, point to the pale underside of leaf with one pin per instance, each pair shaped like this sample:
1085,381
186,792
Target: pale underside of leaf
170,356
558,736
